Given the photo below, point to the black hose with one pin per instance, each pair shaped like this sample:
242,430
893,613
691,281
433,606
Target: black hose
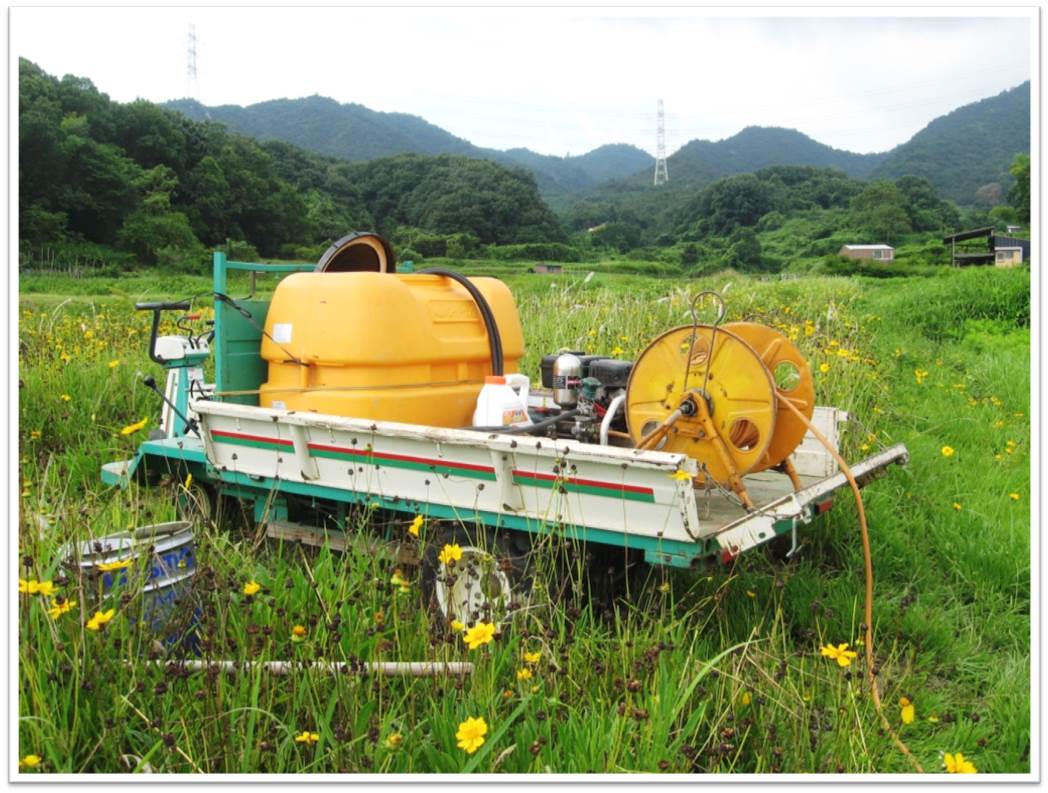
494,337
527,428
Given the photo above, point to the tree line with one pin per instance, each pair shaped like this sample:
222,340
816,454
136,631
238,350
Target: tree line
136,178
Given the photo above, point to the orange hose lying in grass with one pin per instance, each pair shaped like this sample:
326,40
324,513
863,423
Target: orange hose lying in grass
868,563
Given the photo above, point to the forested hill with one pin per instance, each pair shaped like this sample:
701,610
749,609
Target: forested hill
966,154
155,184
759,147
354,132
349,132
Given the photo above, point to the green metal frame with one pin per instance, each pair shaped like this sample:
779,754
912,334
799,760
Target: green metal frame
238,362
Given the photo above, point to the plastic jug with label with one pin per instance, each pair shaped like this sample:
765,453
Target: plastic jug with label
500,405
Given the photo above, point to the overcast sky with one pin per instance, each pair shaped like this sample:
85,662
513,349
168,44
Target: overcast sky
553,80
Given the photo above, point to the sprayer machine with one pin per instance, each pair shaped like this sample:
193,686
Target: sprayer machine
359,387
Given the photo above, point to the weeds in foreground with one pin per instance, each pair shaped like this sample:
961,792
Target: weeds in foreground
730,670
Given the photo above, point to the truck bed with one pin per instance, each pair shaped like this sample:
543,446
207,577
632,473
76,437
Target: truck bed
606,494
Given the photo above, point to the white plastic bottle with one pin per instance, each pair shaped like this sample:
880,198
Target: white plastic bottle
498,404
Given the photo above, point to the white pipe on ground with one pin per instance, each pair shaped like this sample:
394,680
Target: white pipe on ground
284,668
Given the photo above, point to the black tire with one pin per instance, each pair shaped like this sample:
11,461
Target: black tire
197,504
204,507
490,583
614,575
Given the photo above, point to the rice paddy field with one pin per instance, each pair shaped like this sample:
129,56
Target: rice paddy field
718,671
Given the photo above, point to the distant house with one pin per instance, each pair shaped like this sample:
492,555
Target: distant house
880,253
993,243
542,267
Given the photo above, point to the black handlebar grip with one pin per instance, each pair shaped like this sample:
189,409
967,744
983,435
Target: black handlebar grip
181,305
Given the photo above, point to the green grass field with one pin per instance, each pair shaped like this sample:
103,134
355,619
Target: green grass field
718,671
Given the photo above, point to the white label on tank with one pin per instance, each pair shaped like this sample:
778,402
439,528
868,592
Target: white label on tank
279,404
282,332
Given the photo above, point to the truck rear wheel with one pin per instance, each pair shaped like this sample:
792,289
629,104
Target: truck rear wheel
489,582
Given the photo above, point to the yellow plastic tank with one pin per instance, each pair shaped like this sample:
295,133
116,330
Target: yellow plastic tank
411,348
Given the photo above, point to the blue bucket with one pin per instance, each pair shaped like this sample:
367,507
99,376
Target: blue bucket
169,550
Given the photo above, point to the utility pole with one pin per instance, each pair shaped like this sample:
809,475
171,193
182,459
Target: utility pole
662,175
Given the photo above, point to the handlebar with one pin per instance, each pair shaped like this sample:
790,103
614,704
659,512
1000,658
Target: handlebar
156,308
181,305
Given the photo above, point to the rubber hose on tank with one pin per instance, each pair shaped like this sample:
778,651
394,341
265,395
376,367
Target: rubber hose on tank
494,337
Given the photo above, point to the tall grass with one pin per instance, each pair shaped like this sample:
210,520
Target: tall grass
715,671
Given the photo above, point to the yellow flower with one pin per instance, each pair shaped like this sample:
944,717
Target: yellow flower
746,698
100,619
1014,496
680,476
449,554
907,711
841,654
933,719
750,593
298,633
524,673
29,761
66,398
532,658
998,424
133,428
947,451
956,764
34,434
394,740
957,506
457,626
471,734
617,351
307,737
114,364
108,567
59,609
479,634
399,581
188,482
416,524
252,588
824,367
33,587
664,587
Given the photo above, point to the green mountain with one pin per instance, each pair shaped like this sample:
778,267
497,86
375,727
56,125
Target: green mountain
349,132
754,148
967,149
354,132
959,153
